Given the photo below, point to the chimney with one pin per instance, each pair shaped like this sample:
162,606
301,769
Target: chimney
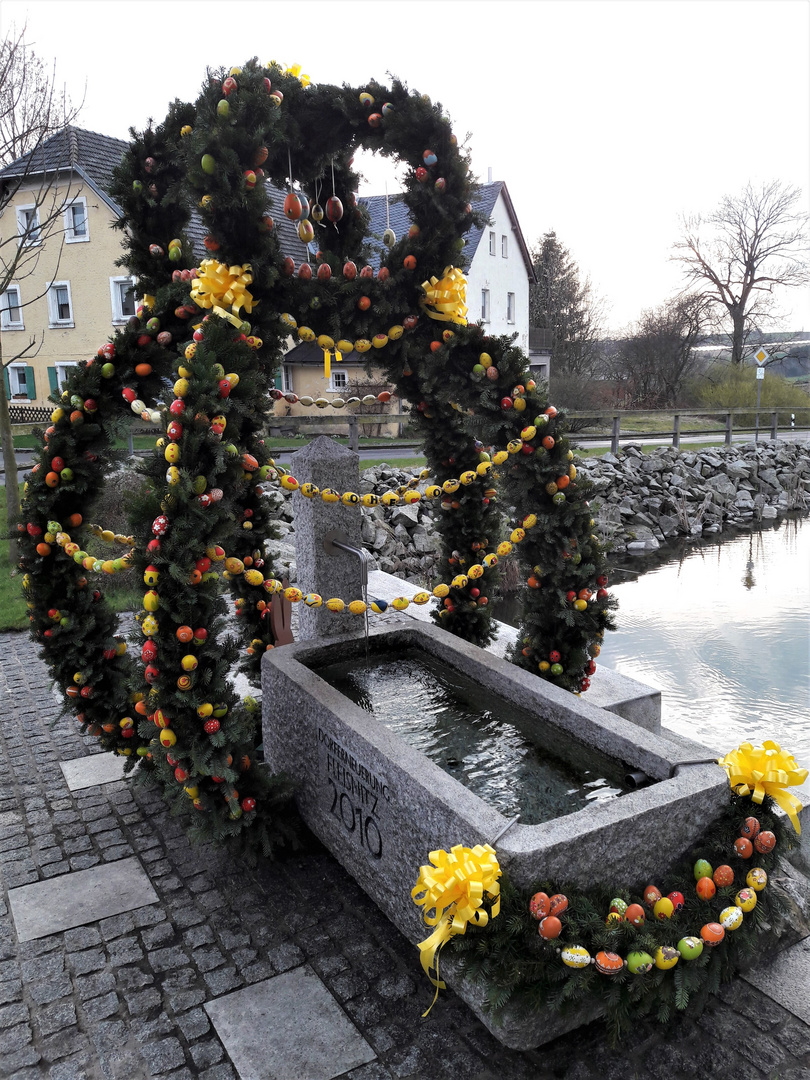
489,175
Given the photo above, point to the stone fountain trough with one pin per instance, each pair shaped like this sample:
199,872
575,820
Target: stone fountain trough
381,806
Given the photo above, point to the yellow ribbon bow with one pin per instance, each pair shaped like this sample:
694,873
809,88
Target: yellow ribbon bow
295,71
446,297
221,286
453,890
766,770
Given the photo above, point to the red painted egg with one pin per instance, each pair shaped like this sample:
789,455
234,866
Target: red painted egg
743,847
677,901
750,827
765,842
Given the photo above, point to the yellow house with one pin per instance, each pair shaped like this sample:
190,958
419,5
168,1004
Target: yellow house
70,295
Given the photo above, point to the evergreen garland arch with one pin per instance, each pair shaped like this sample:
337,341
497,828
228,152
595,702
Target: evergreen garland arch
201,499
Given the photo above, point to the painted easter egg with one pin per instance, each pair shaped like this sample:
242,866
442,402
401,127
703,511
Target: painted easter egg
575,956
764,842
757,879
639,963
666,957
705,888
690,948
550,927
664,909
618,905
539,906
335,604
635,915
712,934
608,963
677,900
750,827
731,917
744,847
312,599
558,904
746,900
723,876
652,894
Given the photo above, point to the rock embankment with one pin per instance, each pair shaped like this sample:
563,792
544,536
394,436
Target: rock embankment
645,499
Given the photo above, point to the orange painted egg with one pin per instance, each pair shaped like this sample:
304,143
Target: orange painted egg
712,934
750,827
635,915
743,847
539,906
558,904
706,888
764,842
723,876
550,927
652,894
608,963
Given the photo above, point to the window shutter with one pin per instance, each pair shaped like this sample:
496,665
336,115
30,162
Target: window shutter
8,384
30,383
53,381
278,379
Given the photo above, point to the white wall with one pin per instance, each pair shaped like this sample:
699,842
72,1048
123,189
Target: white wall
501,276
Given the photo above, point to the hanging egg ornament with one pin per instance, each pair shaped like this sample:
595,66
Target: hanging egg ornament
690,948
639,963
666,957
306,234
366,100
756,879
292,206
334,208
763,842
746,900
316,212
389,237
712,934
731,918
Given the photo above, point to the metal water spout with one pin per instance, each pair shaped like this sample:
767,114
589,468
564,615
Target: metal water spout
337,541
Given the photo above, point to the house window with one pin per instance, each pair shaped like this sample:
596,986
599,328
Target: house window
504,246
60,308
62,372
339,380
485,305
17,381
510,307
28,225
76,230
11,317
122,295
287,379
492,243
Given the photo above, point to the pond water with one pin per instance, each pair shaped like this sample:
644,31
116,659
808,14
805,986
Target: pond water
516,762
722,629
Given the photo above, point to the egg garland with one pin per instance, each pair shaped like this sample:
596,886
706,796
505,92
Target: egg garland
658,966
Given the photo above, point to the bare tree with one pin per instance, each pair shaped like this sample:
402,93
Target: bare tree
657,354
33,113
752,244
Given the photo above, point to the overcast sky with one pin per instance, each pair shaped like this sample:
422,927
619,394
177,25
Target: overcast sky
606,119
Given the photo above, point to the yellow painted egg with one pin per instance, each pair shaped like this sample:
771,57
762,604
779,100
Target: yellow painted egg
335,604
330,496
272,585
389,498
151,601
325,342
149,626
350,499
344,346
757,879
663,908
483,467
475,571
411,497
433,491
467,477
517,535
450,486
190,350
420,598
396,332
189,663
528,433
357,607
459,582
306,333
180,388
514,446
309,490
322,402
379,341
731,918
289,483
167,737
312,599
172,474
234,566
441,591
746,900
172,453
288,320
504,548
491,560
529,521
293,595
254,577
500,457
400,603
150,576
363,345
666,957
575,956
370,499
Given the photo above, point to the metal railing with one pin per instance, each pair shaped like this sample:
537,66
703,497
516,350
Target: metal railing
728,430
284,424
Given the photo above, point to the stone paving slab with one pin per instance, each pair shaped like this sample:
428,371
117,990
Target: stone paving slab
787,981
92,770
289,1026
78,898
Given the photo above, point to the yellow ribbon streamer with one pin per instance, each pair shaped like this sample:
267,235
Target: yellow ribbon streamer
451,891
327,362
295,71
218,285
766,770
446,297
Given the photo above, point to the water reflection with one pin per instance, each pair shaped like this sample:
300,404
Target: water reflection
732,663
722,629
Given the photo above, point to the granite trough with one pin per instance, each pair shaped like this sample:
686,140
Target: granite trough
381,806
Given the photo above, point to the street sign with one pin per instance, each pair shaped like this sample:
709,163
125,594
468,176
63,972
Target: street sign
761,373
761,356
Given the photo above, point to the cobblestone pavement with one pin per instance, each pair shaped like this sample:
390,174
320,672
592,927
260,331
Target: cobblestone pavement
123,996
